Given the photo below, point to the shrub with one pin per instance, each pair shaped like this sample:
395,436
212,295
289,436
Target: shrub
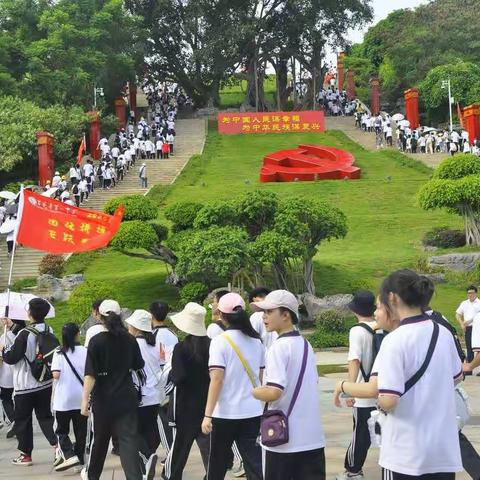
218,214
135,234
331,321
137,207
24,283
79,262
82,297
325,339
444,237
52,265
182,215
193,292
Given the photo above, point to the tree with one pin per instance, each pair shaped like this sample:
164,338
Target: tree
465,84
456,186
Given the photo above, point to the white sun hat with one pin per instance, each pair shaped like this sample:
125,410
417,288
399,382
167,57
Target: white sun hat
141,320
191,319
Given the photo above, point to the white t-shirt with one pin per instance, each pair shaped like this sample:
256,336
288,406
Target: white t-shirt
215,329
6,370
236,400
92,331
283,365
165,341
476,333
421,435
151,390
360,348
68,389
256,319
468,310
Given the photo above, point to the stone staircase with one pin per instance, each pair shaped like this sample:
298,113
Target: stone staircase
190,139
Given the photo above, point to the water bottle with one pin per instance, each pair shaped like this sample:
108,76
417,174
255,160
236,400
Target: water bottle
374,428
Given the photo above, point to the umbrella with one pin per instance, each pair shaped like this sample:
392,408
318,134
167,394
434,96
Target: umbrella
397,117
19,305
8,226
406,123
429,129
7,195
50,192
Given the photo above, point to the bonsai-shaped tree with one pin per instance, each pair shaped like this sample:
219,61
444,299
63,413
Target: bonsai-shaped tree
455,185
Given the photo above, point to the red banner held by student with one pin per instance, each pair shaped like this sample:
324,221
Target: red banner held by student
460,116
81,150
56,227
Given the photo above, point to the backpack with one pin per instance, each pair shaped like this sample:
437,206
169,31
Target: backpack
46,345
439,318
377,339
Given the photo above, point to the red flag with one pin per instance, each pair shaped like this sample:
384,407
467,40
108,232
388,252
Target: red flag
81,150
459,114
56,227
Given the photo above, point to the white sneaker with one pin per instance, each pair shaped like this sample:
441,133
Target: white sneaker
238,471
84,474
68,463
58,457
150,467
350,476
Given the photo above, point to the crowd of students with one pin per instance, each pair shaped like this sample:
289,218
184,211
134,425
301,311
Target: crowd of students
420,140
335,102
245,386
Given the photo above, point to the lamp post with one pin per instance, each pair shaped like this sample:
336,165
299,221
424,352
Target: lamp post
447,84
96,91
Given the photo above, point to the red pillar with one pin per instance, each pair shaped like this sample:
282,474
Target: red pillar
351,93
411,106
94,134
133,98
120,111
471,115
46,162
375,96
340,72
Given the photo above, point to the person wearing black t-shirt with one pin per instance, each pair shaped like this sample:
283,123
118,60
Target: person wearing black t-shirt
111,358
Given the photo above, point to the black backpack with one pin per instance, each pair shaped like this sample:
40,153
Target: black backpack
46,345
440,319
377,339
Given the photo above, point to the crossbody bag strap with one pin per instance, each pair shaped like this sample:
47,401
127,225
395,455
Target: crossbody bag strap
366,377
300,378
246,367
79,378
413,380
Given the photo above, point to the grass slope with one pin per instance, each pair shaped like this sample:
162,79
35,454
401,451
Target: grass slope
385,223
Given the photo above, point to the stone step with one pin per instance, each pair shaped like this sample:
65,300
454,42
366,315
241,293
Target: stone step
190,141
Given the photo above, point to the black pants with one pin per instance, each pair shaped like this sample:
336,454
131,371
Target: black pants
470,457
77,200
389,475
125,426
166,436
149,436
159,154
25,404
468,343
244,432
79,423
184,435
7,403
9,246
309,465
358,449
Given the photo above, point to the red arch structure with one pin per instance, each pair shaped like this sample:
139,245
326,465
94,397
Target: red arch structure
307,163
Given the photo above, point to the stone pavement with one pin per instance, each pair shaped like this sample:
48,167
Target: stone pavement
367,140
337,424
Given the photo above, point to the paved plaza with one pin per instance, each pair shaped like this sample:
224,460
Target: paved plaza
337,424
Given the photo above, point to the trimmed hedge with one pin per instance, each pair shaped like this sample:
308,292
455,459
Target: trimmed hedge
52,265
193,292
137,207
135,234
182,215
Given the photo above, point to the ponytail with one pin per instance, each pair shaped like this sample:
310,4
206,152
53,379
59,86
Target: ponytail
149,338
113,323
240,320
69,334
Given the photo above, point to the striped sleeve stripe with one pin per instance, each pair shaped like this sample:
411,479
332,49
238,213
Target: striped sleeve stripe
374,374
459,374
213,367
389,392
276,385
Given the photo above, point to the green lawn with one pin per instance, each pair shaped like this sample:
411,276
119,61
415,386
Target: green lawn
232,96
385,223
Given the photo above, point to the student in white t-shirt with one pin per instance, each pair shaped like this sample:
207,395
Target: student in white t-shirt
68,369
231,413
217,327
465,316
98,327
303,456
140,326
256,319
419,431
360,364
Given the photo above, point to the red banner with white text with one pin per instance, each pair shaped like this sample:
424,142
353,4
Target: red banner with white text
271,122
56,227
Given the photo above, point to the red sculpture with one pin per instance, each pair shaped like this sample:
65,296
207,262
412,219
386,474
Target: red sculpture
411,106
307,163
94,134
46,162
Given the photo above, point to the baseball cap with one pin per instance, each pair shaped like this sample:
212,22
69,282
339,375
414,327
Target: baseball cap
108,306
277,299
230,303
